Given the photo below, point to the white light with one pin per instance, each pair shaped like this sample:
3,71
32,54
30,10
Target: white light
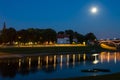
95,61
95,54
94,10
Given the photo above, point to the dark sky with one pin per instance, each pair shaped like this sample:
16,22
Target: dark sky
61,15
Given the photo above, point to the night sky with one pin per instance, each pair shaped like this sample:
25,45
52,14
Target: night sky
61,15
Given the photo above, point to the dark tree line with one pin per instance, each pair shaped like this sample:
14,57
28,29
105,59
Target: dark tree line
40,36
81,38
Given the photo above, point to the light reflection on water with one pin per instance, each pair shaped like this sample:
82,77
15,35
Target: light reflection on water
57,66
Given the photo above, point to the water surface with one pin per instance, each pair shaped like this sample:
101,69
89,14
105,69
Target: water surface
66,65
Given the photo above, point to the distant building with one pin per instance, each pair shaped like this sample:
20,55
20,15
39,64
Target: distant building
91,42
63,39
75,40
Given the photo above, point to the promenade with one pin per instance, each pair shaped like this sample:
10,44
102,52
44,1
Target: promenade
50,45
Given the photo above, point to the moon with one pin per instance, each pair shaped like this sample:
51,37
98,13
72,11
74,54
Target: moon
94,10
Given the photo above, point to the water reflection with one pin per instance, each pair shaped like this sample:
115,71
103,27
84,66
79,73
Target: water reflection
107,57
9,67
96,59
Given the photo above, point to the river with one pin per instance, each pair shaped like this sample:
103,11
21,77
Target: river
32,67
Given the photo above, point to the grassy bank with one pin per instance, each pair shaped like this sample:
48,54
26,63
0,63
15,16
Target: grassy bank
54,49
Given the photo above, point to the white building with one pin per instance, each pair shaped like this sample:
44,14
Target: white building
63,39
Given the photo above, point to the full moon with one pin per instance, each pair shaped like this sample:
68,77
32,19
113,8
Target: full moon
94,10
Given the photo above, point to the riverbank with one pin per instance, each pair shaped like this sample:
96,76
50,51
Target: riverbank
51,49
115,76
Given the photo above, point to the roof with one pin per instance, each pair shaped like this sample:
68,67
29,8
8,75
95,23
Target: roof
62,35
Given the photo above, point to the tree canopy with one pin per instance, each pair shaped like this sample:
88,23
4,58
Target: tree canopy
40,36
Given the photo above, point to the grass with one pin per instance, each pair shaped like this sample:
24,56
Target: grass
54,49
25,50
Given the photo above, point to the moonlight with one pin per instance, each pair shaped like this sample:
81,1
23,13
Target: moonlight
94,10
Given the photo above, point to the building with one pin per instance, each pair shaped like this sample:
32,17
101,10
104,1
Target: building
63,39
75,40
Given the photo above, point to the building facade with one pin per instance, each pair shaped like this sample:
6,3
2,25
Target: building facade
63,39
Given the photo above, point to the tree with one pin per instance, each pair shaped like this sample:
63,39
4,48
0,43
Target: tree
31,35
70,33
49,35
4,34
22,36
80,37
61,32
90,36
12,35
38,35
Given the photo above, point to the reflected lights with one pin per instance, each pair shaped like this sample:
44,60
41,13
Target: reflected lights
61,59
20,63
39,62
29,63
84,56
54,61
73,59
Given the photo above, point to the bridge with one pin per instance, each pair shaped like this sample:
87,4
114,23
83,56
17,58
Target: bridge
110,44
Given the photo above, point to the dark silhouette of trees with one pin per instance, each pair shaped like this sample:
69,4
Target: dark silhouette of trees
3,37
90,39
80,37
49,35
8,36
31,35
61,32
71,34
90,36
40,36
22,36
36,35
11,35
4,34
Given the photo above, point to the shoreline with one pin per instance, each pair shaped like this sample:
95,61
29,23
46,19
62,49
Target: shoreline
51,49
113,76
